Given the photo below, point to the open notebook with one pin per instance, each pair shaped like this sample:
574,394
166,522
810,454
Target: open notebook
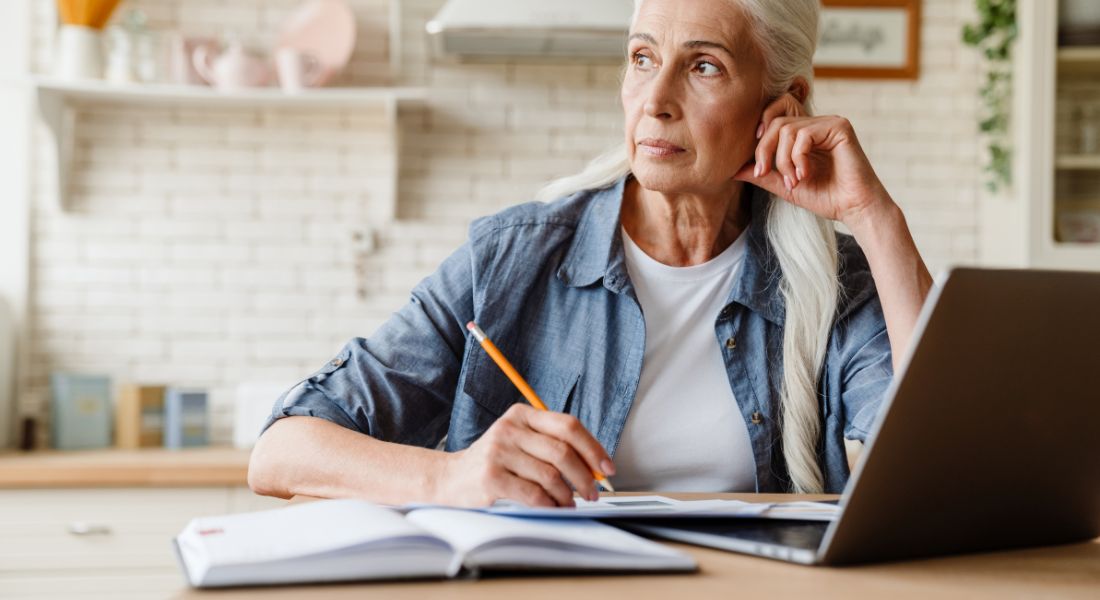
342,540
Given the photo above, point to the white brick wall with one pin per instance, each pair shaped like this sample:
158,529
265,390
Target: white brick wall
210,247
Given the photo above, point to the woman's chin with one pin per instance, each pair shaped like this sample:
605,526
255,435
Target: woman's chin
662,179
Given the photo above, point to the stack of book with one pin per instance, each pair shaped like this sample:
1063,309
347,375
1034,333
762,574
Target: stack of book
143,416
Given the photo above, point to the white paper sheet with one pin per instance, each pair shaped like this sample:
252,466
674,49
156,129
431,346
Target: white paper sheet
661,506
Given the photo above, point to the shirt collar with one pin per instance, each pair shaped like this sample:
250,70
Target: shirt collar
597,253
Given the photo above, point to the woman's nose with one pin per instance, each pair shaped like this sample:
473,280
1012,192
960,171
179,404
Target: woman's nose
661,101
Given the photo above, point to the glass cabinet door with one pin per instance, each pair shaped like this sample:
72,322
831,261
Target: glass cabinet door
1077,130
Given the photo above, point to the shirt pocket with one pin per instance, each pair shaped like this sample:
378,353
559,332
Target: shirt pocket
491,390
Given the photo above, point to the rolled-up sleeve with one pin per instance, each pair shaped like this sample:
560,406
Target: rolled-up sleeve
397,385
867,370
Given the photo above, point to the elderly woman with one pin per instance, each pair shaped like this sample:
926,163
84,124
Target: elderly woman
683,305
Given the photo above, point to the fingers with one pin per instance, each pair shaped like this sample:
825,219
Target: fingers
768,146
544,474
506,471
772,182
783,106
783,162
804,142
501,482
541,448
781,109
553,451
787,146
569,430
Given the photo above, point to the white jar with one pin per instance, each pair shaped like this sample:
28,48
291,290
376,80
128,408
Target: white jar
120,59
79,53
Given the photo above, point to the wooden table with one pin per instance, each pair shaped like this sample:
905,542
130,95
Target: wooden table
1071,571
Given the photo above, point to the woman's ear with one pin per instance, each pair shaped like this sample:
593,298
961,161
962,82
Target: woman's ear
800,89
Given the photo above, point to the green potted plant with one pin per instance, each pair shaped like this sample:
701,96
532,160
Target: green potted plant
994,35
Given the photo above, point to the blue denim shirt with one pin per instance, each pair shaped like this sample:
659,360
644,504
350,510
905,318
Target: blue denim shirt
549,285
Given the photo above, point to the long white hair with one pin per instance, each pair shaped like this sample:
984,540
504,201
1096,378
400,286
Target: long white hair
805,245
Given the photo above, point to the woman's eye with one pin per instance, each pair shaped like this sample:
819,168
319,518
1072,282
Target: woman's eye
707,68
641,60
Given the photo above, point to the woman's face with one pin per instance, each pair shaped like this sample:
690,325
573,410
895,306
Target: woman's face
693,95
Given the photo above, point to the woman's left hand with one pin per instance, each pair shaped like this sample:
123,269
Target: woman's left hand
814,162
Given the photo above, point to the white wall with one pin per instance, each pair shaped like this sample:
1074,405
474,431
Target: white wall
212,247
15,114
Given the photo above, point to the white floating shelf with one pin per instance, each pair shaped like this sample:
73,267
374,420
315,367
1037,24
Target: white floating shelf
194,95
57,101
1077,162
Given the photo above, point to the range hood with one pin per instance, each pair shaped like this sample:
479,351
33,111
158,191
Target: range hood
532,28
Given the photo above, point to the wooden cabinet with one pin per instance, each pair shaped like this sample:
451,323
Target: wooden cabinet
1056,194
64,536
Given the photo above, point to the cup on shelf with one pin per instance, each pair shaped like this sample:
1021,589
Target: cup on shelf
233,69
181,68
1079,226
120,57
79,53
297,69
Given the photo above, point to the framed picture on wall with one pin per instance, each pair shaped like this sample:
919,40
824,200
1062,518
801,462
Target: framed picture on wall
869,39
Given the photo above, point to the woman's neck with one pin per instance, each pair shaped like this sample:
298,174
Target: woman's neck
682,230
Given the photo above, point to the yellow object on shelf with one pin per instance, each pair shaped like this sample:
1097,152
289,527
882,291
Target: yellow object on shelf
89,13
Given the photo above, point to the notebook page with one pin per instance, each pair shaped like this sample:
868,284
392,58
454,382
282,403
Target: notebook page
292,532
661,506
468,531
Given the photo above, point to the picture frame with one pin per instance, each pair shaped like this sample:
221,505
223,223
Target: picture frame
869,39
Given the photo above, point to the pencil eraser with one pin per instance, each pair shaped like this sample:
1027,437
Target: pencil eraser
470,326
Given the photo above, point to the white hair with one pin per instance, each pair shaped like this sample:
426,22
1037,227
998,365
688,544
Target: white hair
785,32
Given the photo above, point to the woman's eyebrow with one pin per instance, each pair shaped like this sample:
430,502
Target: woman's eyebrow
706,44
693,44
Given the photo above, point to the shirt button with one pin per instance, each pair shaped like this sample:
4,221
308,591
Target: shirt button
757,418
731,343
336,362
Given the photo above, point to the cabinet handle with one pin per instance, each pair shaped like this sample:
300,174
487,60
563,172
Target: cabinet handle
82,528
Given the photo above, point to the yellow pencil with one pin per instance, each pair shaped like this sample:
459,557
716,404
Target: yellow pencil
521,385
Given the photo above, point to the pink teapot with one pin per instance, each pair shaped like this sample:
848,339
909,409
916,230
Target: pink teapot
234,69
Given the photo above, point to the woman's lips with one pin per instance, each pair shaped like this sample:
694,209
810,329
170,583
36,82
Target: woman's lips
659,147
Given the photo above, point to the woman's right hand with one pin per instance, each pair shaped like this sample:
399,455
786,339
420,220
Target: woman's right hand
527,455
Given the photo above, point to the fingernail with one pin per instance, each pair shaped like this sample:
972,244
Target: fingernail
760,131
594,496
798,174
787,183
607,467
757,169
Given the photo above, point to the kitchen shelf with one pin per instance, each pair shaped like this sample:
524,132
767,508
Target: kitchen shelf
195,95
1022,225
1077,162
57,102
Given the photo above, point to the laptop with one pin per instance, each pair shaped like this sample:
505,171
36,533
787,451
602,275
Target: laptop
988,438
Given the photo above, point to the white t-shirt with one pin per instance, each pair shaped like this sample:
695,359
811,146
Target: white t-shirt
684,431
